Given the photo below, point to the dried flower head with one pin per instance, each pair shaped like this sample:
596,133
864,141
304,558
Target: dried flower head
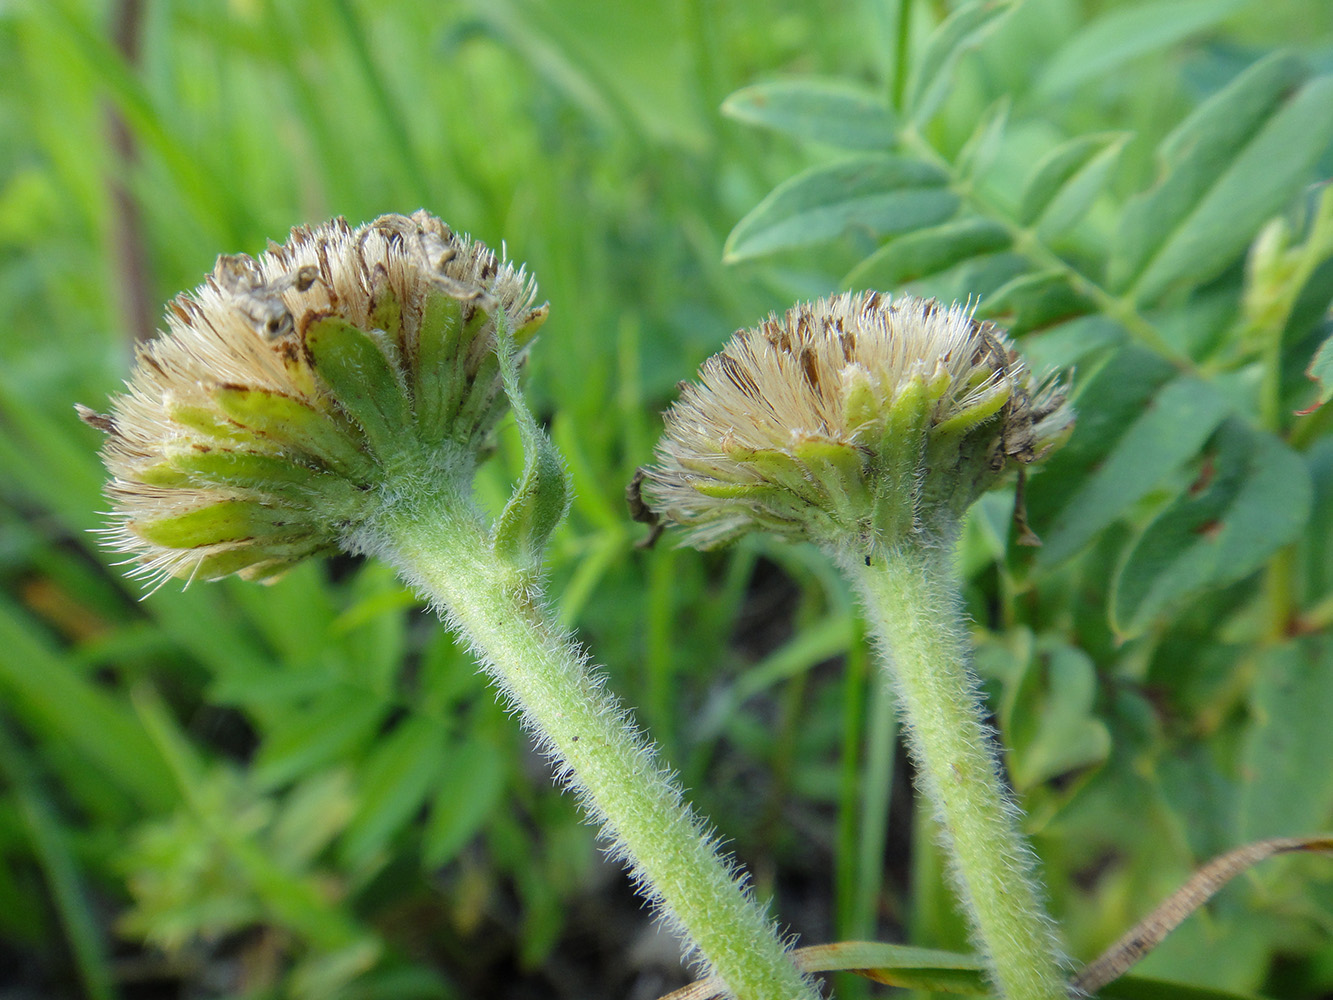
256,431
855,417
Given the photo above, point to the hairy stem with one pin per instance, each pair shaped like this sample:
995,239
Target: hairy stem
911,602
441,545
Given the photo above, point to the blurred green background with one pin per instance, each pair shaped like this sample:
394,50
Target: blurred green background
305,790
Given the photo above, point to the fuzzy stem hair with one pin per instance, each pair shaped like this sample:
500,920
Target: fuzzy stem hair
911,603
442,546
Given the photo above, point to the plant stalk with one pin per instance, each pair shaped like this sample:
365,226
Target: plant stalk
912,606
442,546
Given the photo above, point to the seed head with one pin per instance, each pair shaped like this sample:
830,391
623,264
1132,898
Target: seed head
856,418
289,389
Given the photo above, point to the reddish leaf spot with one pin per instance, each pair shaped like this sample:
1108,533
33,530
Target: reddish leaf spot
1209,530
1205,477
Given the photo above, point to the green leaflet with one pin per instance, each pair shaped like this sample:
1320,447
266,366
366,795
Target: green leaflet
1252,497
1125,33
963,30
1286,783
1066,182
1321,372
1048,719
834,112
1034,300
928,251
1227,168
880,195
1167,432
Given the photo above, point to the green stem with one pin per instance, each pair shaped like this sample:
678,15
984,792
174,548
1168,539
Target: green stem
441,545
911,602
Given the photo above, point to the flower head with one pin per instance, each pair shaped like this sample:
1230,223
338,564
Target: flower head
288,386
855,417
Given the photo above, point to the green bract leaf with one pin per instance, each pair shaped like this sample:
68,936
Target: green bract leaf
1286,785
961,31
829,111
1123,34
1168,431
1253,497
879,194
541,495
368,388
928,251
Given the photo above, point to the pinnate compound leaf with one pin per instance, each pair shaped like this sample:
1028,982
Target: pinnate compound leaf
963,30
834,112
882,195
1168,431
1125,33
1196,158
928,251
1253,496
1286,783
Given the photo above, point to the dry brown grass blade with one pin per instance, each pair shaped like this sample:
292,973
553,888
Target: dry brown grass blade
1148,933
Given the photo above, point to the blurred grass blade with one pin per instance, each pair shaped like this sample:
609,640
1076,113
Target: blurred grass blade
59,868
833,112
963,30
879,195
1122,34
394,781
1202,885
1168,431
928,251
469,788
1252,496
899,965
39,685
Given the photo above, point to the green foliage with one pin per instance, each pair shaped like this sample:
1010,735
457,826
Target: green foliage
306,789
